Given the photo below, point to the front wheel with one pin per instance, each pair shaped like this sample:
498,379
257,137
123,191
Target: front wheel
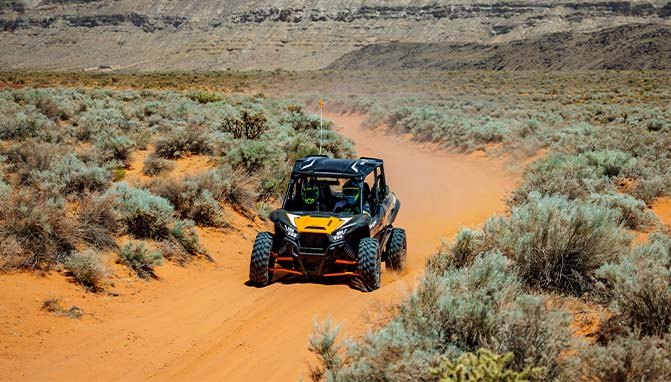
369,263
397,250
260,263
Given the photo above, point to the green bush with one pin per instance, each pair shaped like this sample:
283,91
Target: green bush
155,165
184,232
573,176
206,97
248,126
633,212
183,141
555,244
484,366
639,285
226,184
629,358
456,311
36,233
191,201
87,268
68,175
114,146
144,214
254,156
140,259
649,189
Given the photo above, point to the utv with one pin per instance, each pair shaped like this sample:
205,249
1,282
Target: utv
335,221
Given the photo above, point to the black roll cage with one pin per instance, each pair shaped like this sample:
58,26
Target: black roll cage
369,165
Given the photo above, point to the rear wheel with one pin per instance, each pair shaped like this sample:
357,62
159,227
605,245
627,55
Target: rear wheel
369,263
261,259
397,250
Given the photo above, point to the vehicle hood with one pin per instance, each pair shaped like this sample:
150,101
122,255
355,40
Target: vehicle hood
317,223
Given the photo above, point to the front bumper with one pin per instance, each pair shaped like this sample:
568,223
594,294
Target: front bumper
332,258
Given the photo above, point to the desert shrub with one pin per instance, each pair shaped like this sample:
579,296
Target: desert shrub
557,244
254,156
99,220
656,124
323,343
87,268
155,165
28,123
114,145
29,156
484,365
144,214
140,259
184,232
68,175
248,126
56,108
206,97
611,163
460,253
633,212
640,287
182,141
300,121
459,310
629,358
226,184
191,200
36,232
574,176
648,189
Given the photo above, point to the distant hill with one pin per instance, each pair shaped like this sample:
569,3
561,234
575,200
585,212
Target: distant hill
141,35
624,47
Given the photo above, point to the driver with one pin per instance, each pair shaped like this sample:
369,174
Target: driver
350,204
310,197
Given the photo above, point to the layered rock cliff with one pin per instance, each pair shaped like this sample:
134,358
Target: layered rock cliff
308,34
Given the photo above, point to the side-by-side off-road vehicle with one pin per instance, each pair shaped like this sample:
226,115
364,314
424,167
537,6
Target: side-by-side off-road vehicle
336,221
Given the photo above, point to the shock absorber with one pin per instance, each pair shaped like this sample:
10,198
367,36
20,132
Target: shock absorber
349,251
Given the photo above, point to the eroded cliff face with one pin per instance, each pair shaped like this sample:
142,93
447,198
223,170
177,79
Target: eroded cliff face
216,35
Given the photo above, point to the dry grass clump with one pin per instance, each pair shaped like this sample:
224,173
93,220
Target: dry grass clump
155,165
53,305
87,268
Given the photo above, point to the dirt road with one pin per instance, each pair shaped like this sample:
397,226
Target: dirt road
202,322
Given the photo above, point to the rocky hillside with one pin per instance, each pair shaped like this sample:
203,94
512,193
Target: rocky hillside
623,47
307,34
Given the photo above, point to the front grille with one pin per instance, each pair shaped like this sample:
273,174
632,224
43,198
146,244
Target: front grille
313,240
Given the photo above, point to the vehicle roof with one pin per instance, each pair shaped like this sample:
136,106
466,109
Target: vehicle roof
321,165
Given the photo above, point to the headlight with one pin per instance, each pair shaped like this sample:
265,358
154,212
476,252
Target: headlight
290,231
339,235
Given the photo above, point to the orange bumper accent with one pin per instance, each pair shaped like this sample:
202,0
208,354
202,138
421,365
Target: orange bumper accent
293,272
284,258
341,274
346,262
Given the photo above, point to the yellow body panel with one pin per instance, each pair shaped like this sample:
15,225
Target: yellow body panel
315,224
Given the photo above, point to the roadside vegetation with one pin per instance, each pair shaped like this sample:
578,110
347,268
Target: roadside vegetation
65,197
492,304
